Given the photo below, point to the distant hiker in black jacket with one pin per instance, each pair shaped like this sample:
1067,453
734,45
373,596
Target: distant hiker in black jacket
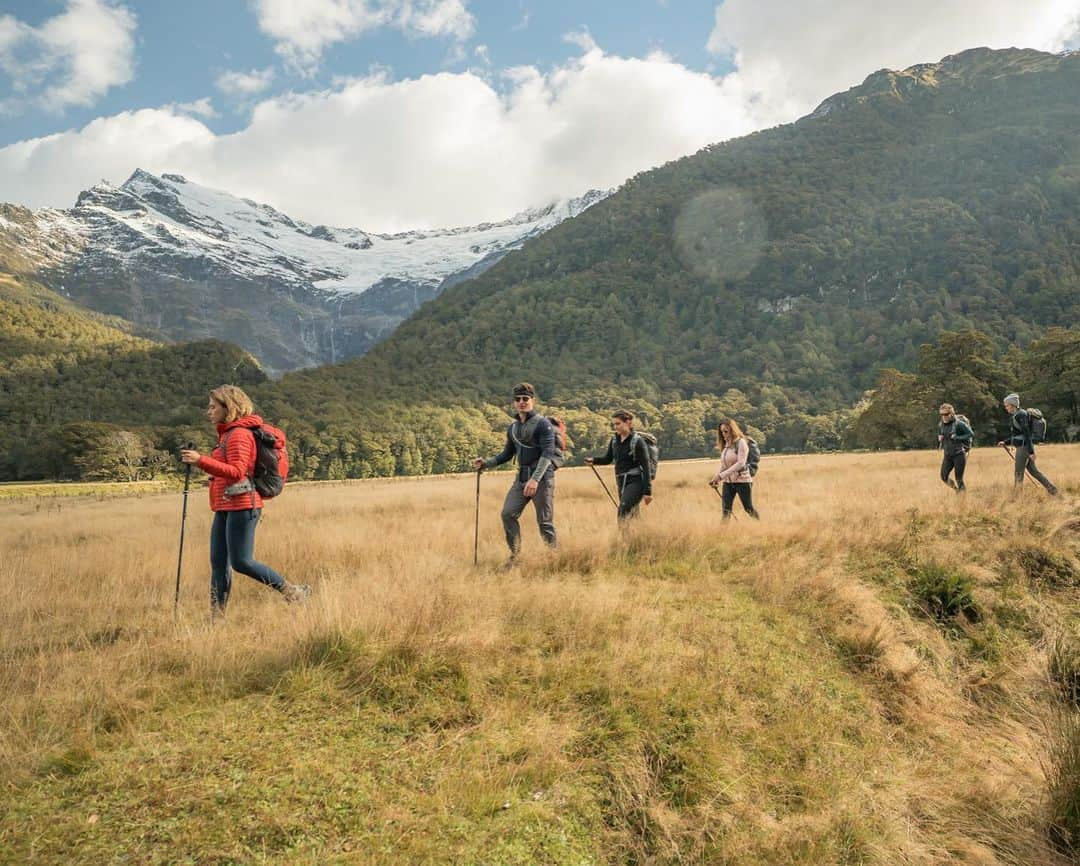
631,457
954,439
1021,439
531,438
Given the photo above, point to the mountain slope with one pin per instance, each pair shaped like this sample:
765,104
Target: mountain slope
800,259
193,262
61,365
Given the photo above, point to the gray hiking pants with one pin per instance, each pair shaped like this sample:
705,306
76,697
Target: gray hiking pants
543,502
1026,461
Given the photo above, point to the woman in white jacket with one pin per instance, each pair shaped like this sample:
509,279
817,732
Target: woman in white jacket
734,473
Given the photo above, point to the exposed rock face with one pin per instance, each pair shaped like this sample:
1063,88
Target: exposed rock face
188,262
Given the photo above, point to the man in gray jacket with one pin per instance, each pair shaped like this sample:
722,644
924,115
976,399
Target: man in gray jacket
531,439
1021,439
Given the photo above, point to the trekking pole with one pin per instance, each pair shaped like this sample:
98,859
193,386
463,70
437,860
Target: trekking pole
721,495
1027,469
183,522
476,533
1012,456
608,492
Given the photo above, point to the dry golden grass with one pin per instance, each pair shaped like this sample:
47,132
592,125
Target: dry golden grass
685,692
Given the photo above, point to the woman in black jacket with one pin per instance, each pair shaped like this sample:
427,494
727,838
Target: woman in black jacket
630,453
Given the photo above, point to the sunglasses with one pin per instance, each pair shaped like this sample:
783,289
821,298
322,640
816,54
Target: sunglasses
522,399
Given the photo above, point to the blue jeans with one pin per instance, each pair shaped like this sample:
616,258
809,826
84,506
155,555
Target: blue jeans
232,547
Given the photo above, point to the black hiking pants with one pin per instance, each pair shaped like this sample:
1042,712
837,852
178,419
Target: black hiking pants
631,489
743,488
1025,459
955,463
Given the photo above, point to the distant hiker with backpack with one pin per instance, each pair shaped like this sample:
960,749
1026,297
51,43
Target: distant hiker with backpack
634,466
954,438
235,496
1027,428
534,441
736,465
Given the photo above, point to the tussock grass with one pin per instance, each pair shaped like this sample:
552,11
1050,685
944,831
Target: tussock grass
1064,783
1046,567
944,594
1064,666
682,690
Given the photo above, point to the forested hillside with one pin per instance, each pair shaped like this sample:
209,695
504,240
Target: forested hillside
74,385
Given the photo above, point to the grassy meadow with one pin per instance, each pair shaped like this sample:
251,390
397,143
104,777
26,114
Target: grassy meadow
879,671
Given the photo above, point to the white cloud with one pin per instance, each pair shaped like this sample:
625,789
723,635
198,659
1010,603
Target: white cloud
454,148
109,147
304,30
795,54
245,84
72,58
438,150
582,39
436,18
199,107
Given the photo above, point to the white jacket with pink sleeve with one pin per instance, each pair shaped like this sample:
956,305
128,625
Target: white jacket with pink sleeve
733,468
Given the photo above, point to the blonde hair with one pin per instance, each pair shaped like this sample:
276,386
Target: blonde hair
736,432
947,407
237,404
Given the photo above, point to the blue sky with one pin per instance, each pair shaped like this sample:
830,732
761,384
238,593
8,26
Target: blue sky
183,47
390,115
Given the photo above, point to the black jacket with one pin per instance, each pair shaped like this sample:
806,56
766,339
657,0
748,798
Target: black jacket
956,436
627,462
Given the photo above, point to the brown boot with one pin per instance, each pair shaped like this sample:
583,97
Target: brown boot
295,593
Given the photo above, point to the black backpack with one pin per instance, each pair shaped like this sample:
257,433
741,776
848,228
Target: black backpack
652,449
524,436
271,459
1038,425
753,456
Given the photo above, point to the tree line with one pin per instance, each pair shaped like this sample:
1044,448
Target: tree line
338,441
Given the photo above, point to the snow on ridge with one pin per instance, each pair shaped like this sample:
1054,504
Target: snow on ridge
152,221
176,216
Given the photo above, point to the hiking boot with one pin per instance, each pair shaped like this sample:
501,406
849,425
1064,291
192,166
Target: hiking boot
952,484
510,564
295,593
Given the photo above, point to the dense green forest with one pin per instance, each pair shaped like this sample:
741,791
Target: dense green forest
927,221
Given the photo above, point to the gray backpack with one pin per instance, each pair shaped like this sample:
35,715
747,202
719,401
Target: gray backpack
524,436
652,449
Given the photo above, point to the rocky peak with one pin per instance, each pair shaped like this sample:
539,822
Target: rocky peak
956,69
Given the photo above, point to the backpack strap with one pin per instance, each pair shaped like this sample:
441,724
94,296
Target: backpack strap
524,435
225,459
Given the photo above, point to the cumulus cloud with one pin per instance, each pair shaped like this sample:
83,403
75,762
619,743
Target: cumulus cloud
72,58
458,148
304,30
245,84
793,55
439,150
200,107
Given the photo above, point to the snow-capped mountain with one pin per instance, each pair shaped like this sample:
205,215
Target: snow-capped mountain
190,262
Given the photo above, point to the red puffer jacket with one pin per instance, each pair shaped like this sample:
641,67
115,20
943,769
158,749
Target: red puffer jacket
235,464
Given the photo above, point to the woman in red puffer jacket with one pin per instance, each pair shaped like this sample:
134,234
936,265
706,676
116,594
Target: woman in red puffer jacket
234,500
